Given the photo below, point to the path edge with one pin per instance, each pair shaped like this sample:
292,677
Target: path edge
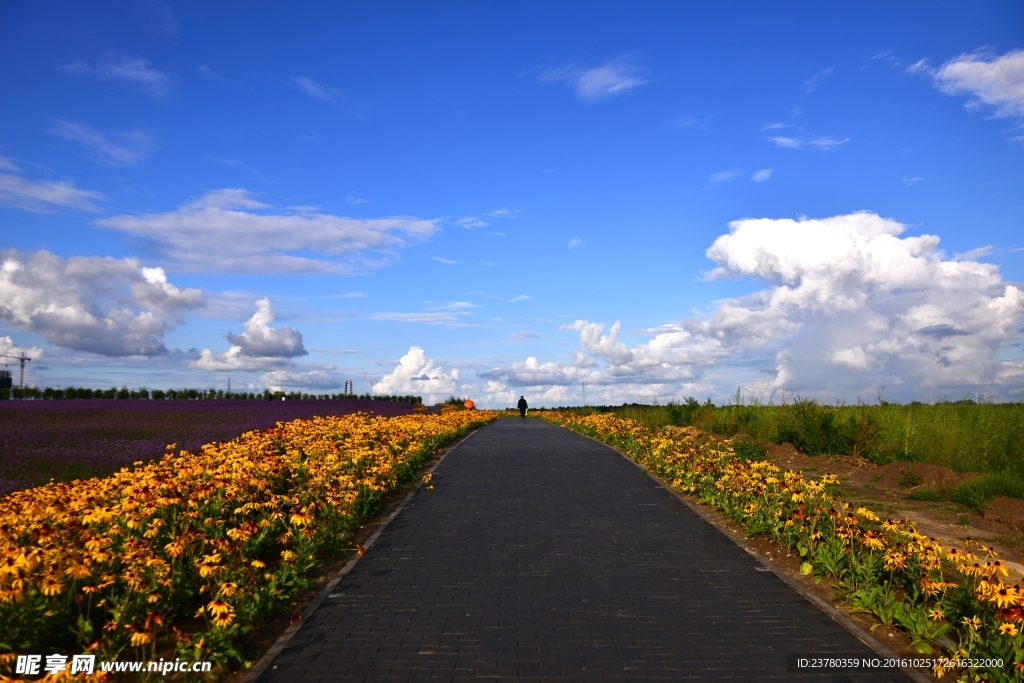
279,645
818,602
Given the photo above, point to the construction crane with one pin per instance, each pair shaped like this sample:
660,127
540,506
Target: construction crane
22,358
371,380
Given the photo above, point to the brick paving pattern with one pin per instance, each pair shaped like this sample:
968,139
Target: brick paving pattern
543,555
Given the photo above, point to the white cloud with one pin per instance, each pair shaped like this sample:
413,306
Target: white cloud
329,94
973,254
120,149
614,77
445,261
912,181
259,339
103,305
575,242
762,175
352,199
822,143
429,318
518,297
133,70
8,348
230,231
418,376
41,196
316,90
523,335
723,176
469,222
234,359
850,303
260,347
995,81
814,81
505,213
277,380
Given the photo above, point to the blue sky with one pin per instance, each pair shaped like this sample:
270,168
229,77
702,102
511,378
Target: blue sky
496,199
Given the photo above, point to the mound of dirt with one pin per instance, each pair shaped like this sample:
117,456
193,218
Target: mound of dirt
786,454
683,432
908,476
1008,511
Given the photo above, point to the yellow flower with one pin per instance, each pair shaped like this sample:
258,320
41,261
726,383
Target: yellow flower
1008,628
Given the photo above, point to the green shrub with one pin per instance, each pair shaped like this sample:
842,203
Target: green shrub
814,429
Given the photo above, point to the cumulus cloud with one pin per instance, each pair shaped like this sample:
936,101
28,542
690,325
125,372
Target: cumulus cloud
994,81
849,303
259,339
762,175
258,348
113,307
533,373
42,196
416,375
614,77
277,380
230,231
126,68
119,149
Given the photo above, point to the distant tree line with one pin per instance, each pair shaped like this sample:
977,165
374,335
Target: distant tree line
79,393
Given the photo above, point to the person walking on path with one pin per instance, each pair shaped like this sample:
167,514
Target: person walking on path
522,407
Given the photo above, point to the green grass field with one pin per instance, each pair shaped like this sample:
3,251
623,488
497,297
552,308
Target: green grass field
963,435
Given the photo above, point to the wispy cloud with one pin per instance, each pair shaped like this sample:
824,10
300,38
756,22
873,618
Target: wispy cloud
522,335
723,176
346,295
973,254
812,83
428,318
822,143
118,149
42,196
691,122
316,90
614,77
469,222
230,231
994,81
352,199
762,175
504,213
911,181
575,242
329,94
445,261
518,297
126,68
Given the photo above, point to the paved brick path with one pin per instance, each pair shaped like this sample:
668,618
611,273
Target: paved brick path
543,555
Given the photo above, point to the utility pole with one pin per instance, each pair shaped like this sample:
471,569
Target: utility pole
584,393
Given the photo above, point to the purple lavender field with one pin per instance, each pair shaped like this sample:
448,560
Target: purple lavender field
66,440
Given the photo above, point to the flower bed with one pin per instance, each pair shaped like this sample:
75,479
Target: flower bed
212,542
883,567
